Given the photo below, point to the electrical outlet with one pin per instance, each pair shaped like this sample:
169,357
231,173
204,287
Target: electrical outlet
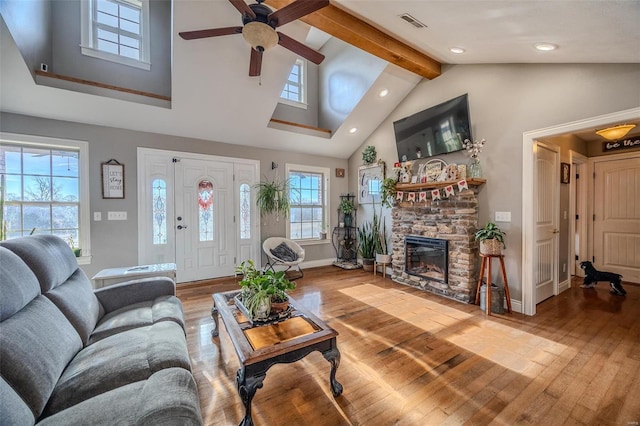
97,216
117,216
503,217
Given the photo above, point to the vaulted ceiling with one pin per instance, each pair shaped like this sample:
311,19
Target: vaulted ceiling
214,99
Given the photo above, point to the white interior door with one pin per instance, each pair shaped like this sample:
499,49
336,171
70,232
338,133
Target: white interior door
204,219
616,225
546,222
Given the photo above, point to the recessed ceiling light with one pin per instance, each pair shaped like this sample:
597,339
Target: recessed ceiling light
383,93
545,47
353,130
457,50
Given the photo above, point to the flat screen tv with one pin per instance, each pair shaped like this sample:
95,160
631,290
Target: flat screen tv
438,130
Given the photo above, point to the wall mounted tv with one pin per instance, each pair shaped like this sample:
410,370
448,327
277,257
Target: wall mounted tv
438,130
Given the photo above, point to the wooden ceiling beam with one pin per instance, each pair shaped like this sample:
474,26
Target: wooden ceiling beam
341,24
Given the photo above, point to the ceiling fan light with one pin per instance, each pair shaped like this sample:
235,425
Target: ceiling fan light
615,132
260,36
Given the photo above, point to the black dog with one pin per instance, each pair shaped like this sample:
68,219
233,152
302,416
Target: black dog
592,276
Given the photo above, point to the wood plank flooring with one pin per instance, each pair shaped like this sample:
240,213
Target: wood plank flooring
413,358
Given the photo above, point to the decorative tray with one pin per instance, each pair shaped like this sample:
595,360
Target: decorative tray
270,319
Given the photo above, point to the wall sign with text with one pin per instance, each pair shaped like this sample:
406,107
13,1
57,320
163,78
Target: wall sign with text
112,179
623,144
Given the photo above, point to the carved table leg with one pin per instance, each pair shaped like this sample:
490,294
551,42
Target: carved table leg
333,356
214,315
247,387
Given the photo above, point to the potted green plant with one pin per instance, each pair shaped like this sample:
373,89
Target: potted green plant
272,197
491,239
368,239
347,207
263,292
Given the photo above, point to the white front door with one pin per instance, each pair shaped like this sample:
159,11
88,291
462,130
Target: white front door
197,211
204,219
616,225
546,222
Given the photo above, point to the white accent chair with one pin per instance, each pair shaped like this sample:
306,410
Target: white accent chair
274,260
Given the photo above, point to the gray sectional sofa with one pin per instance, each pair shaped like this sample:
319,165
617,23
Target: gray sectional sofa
70,355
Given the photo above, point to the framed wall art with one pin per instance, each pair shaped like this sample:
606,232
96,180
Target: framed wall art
112,179
369,182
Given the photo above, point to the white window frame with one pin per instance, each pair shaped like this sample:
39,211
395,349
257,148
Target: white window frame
84,223
87,43
302,63
325,204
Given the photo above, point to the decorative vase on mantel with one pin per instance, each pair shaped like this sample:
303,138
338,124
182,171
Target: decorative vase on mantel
475,170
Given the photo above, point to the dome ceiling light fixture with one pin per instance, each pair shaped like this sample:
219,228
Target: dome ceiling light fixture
615,132
545,47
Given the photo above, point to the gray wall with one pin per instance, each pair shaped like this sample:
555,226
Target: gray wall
115,243
68,59
29,22
506,101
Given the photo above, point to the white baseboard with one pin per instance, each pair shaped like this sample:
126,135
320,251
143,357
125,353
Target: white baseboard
516,306
317,263
564,285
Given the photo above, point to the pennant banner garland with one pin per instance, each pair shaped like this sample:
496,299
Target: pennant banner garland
436,194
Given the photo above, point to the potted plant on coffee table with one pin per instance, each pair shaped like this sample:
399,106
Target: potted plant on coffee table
491,239
263,294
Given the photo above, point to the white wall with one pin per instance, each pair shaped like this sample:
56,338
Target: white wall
505,101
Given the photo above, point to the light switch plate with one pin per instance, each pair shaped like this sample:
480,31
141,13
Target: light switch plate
503,216
117,216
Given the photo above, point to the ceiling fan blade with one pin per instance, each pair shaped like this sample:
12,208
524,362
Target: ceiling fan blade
214,32
300,49
255,65
295,10
243,8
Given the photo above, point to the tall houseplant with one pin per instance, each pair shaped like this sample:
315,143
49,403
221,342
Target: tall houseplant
491,239
368,239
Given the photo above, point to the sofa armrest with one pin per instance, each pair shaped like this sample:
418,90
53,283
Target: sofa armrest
119,295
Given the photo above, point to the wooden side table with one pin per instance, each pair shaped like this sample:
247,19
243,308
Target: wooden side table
486,265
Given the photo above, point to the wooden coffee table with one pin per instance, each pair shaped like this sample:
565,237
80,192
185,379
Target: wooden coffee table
262,345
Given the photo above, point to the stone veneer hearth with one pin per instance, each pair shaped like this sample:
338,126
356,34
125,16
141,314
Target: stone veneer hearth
454,219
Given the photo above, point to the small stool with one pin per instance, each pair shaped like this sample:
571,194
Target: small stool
384,268
486,264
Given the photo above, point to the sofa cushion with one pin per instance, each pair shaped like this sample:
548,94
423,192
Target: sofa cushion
19,285
118,360
36,344
13,410
77,302
48,256
61,280
168,397
166,308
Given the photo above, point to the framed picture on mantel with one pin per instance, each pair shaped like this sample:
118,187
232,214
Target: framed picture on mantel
112,179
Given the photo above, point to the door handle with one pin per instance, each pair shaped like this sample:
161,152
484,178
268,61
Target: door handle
555,231
181,227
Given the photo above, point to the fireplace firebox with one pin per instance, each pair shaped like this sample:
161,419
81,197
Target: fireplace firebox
427,257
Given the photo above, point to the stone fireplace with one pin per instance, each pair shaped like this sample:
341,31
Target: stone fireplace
453,220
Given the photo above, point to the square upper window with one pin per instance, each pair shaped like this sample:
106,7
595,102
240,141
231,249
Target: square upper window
117,31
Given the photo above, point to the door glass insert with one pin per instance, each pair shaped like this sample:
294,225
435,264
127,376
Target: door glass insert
205,209
245,212
159,219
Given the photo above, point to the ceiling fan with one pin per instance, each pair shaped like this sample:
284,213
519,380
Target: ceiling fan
259,29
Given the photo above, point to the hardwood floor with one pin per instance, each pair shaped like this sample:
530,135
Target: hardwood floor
413,358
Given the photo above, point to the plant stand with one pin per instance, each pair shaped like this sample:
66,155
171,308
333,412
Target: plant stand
380,261
486,265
